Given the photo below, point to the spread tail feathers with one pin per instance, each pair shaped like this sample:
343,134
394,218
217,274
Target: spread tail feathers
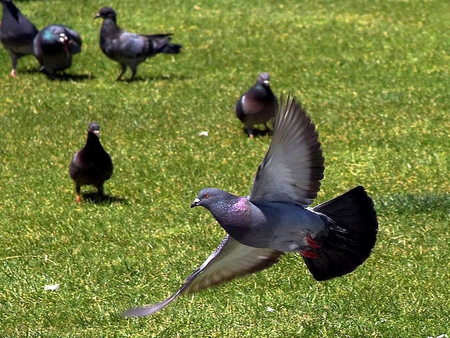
349,237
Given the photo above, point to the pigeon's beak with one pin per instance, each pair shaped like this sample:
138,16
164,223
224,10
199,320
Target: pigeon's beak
97,16
266,82
195,203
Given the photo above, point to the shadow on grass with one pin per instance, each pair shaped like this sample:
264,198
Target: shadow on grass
258,132
73,77
415,204
92,197
60,76
160,77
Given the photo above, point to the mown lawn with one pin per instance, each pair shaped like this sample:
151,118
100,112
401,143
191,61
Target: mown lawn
374,76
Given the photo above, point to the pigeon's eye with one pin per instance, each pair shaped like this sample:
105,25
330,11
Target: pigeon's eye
206,196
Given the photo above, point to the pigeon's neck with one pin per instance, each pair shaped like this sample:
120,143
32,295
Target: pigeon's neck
262,89
93,143
110,27
233,214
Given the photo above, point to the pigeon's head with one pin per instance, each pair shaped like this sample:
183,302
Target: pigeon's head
94,128
263,78
106,12
208,197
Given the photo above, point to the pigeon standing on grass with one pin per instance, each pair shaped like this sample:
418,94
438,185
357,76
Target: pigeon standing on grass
258,105
92,165
334,237
130,49
54,47
16,33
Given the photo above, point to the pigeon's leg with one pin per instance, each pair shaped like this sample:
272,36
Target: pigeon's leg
313,243
100,193
78,189
133,73
309,254
14,63
250,132
124,69
268,130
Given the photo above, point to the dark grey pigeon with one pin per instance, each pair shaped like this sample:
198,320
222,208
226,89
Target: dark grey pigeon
334,237
16,33
130,49
54,47
92,165
258,105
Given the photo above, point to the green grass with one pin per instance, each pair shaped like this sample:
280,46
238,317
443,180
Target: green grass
374,76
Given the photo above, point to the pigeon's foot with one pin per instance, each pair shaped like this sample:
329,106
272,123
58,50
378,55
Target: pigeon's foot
268,130
13,73
309,254
78,199
312,242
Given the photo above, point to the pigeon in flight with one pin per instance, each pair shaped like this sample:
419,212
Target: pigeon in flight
16,33
258,105
334,237
92,165
130,49
54,46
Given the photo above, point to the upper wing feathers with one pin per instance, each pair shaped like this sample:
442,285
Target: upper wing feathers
293,166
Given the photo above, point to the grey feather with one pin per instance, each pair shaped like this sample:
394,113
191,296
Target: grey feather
334,238
258,105
16,33
230,260
54,46
130,49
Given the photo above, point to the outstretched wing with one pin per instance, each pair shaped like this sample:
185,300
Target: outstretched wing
230,260
293,166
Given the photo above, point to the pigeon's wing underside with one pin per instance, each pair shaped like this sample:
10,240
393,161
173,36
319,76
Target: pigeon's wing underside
230,260
293,166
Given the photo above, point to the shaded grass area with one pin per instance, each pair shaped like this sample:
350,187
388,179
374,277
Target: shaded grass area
374,77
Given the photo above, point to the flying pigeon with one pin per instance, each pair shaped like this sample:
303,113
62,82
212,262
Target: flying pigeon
258,105
54,47
16,33
92,165
130,49
334,237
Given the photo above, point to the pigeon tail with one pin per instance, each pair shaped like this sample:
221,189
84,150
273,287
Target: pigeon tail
171,48
349,237
160,43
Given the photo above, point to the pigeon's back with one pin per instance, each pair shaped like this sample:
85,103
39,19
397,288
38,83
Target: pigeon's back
16,31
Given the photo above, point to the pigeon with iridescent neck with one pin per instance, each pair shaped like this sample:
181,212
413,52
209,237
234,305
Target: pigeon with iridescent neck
54,47
258,105
334,237
17,33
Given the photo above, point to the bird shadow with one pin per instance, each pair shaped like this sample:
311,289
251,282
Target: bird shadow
160,77
92,197
61,76
73,77
258,132
415,204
